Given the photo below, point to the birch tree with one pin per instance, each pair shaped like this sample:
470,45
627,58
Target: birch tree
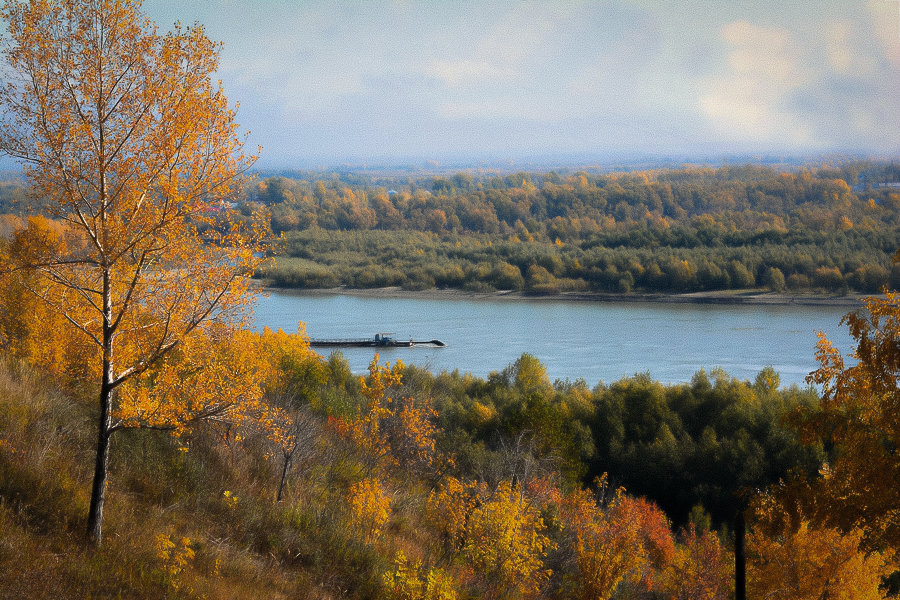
129,142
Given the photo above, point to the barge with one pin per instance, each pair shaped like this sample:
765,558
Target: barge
381,340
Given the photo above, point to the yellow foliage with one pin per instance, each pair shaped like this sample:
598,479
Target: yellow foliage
175,558
448,509
391,432
810,563
30,328
415,435
701,569
216,375
860,416
231,501
506,544
381,377
370,508
481,414
414,582
365,430
845,223
606,551
611,545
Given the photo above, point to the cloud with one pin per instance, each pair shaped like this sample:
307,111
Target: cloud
803,91
842,57
337,78
884,20
547,62
760,52
455,73
749,100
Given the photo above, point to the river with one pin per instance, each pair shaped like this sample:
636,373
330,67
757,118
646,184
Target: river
594,341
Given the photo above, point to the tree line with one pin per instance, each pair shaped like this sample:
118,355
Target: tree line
681,230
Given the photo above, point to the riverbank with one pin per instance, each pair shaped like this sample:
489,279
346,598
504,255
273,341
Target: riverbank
747,297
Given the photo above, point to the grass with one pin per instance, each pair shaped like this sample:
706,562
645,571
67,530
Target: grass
247,548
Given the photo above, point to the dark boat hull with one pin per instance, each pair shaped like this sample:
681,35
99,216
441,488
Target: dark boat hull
372,343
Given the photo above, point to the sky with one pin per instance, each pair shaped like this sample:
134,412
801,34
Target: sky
324,83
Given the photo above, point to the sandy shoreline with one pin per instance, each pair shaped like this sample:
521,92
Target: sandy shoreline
748,298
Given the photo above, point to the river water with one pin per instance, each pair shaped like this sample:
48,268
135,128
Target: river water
594,341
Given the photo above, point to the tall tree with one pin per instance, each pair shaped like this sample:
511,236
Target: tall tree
130,143
860,417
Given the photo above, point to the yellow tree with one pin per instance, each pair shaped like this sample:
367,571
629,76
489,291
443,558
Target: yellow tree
860,416
366,429
131,145
448,510
607,547
370,508
506,544
389,431
789,557
700,568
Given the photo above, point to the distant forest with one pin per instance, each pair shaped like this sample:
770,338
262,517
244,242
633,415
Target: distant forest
826,230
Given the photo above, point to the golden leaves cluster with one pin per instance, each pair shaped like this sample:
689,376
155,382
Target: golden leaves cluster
217,375
391,432
505,543
859,417
175,557
29,328
447,511
805,560
625,541
411,581
497,533
370,508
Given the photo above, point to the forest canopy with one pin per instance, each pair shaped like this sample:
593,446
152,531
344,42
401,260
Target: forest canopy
823,229
818,229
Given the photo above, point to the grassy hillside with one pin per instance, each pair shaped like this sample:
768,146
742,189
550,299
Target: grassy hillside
195,524
376,478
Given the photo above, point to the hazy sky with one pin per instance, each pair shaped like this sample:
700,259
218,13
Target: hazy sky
386,81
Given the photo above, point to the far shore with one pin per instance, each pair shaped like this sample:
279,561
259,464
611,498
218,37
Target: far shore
748,297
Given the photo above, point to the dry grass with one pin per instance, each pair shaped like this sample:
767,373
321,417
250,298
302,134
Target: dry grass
300,548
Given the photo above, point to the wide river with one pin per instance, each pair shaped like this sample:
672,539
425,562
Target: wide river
594,341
